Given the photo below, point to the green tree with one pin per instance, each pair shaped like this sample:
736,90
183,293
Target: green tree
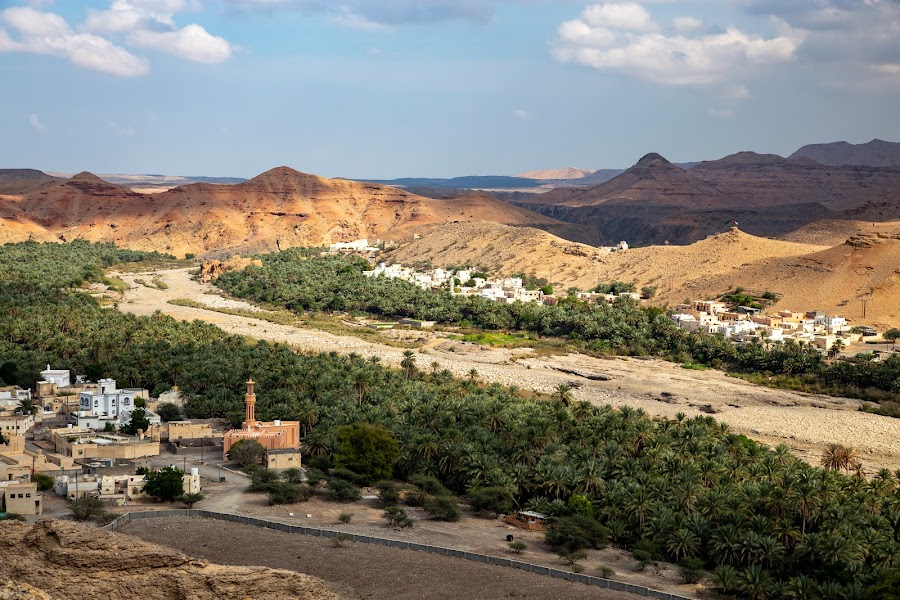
892,335
886,588
443,508
168,412
576,532
43,481
247,452
87,508
368,450
27,406
190,499
166,483
138,422
496,499
579,504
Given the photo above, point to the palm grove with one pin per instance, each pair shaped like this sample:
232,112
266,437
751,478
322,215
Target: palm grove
763,523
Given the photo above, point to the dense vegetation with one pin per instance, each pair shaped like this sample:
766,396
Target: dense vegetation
297,282
768,525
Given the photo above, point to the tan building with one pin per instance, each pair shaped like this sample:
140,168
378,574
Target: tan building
185,430
83,443
21,498
18,424
11,470
273,435
77,486
285,458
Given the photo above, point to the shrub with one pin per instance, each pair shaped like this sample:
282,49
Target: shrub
314,476
343,491
415,497
345,474
429,485
443,508
571,557
165,484
397,517
580,505
338,540
345,518
87,508
691,570
261,480
605,572
168,412
292,475
576,532
44,482
247,452
496,500
368,450
518,546
190,499
282,492
388,493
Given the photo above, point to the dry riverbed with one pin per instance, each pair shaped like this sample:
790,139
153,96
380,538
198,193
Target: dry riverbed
804,422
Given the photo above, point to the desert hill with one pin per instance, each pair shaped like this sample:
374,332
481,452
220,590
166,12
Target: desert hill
281,206
656,201
876,153
59,559
830,232
807,276
567,173
20,181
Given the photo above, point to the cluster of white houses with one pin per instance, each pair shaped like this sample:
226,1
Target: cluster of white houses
464,283
744,324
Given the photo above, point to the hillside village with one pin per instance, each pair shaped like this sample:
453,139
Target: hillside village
77,433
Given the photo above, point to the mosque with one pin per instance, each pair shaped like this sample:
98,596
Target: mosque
280,438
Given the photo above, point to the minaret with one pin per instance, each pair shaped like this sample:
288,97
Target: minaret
250,405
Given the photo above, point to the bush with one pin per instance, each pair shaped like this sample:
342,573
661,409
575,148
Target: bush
338,540
496,500
576,532
87,508
11,517
605,572
580,505
343,491
314,476
388,493
397,517
190,499
691,570
415,497
282,492
345,518
345,474
320,463
571,557
292,475
44,482
429,485
443,508
518,546
261,480
247,452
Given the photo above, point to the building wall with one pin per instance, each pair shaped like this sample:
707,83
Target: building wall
283,460
23,499
185,430
16,424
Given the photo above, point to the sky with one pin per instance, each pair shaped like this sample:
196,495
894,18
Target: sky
436,88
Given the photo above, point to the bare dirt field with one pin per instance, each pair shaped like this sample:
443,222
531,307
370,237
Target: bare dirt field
358,570
805,422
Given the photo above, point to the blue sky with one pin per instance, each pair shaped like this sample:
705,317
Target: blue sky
436,88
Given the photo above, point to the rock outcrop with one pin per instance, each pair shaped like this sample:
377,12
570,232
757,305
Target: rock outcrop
58,559
212,269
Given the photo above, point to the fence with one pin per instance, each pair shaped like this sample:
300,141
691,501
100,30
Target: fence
366,539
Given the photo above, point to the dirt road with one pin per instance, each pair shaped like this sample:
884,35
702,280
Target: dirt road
804,422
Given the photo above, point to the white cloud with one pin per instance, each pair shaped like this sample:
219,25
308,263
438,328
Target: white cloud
39,32
151,24
143,23
35,122
686,24
371,13
192,42
619,38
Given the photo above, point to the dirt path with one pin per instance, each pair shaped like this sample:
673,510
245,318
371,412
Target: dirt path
804,422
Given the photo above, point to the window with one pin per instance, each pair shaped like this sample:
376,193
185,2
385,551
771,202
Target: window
126,401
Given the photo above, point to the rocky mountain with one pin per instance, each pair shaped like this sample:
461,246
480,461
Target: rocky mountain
656,201
19,181
567,173
61,559
279,207
876,153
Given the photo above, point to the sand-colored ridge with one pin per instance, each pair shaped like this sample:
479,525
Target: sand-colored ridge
281,207
67,560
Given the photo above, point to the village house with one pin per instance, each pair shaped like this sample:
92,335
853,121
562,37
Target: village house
21,497
76,442
16,424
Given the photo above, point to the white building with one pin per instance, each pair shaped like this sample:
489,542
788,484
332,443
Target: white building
60,377
108,405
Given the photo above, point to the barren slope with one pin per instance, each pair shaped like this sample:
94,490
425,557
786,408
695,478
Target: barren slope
68,560
281,205
831,232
